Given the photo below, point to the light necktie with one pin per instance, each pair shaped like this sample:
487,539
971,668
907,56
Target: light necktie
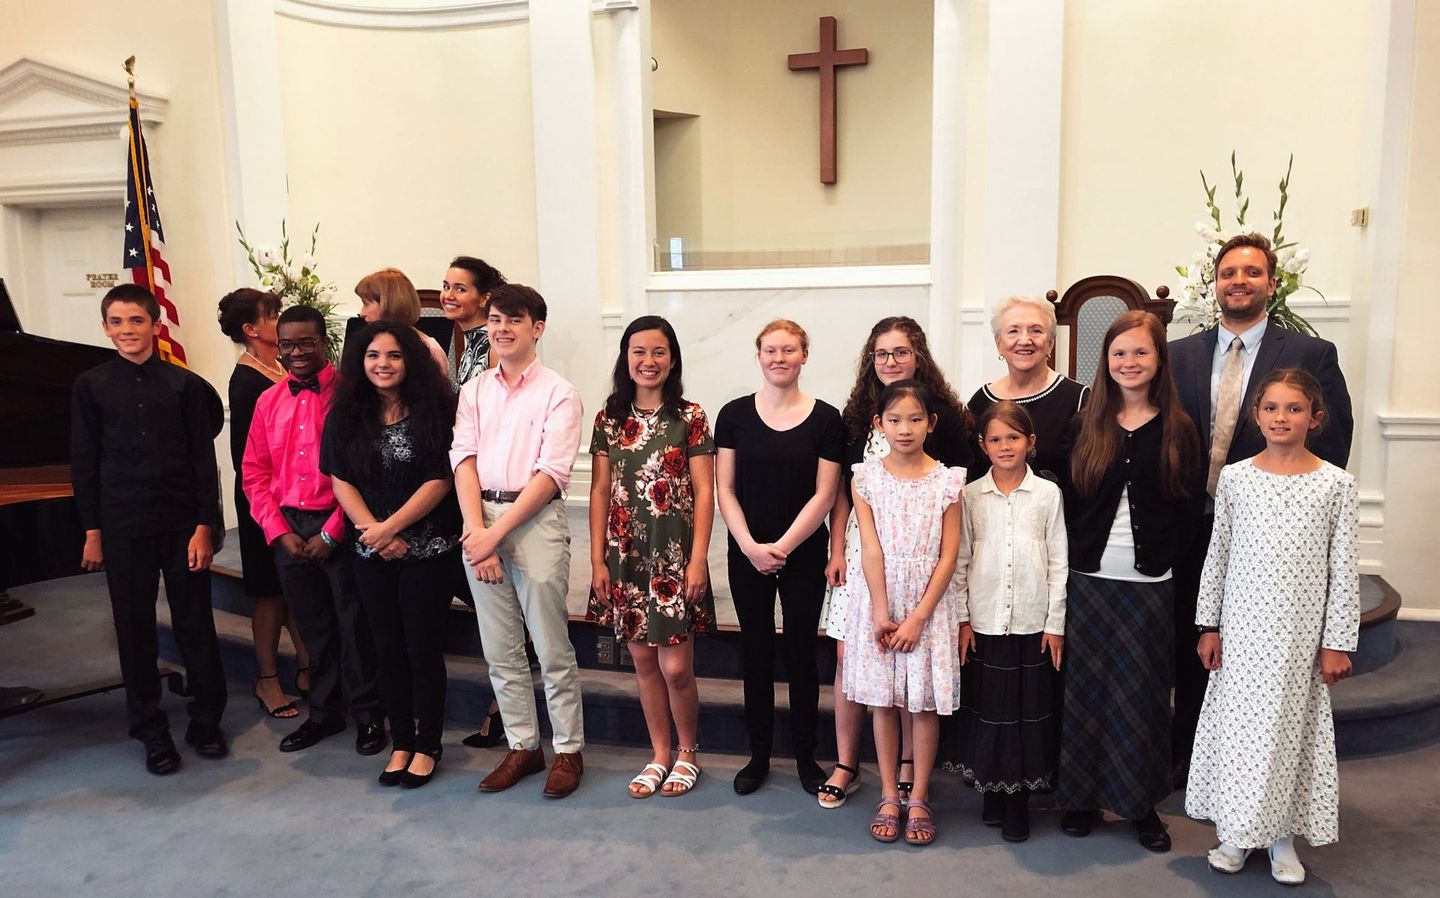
1227,411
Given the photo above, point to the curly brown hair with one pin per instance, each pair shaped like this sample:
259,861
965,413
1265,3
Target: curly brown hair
864,400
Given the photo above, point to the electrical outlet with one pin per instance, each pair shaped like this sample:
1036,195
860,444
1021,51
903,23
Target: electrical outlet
1360,217
625,658
605,650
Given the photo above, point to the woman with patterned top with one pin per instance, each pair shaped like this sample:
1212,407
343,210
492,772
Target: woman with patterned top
652,492
386,448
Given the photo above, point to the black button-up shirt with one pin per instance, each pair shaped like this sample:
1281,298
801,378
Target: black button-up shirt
142,448
1159,523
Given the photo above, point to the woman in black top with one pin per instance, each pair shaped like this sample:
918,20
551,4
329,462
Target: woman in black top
1024,328
248,318
896,350
1134,495
777,470
386,447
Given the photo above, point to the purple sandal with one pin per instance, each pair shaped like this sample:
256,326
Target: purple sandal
916,827
888,820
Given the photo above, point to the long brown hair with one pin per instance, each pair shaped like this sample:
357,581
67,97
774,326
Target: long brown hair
864,400
1099,443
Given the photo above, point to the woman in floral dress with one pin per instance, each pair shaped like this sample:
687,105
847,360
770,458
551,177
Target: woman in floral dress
652,494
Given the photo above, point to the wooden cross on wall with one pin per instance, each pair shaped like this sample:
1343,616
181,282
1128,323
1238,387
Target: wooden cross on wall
827,61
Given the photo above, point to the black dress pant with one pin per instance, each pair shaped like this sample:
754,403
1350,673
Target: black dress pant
1191,677
407,604
801,585
344,672
133,567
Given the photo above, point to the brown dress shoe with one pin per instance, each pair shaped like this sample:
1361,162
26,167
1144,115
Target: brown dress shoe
564,775
518,764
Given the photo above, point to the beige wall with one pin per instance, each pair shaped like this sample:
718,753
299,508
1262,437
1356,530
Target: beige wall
174,45
759,122
1154,92
409,147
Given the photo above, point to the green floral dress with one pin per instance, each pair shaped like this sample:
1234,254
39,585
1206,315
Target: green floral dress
651,525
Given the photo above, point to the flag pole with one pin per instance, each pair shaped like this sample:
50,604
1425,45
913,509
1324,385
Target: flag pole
137,163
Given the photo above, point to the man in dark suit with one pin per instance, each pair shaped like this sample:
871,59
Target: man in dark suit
1215,380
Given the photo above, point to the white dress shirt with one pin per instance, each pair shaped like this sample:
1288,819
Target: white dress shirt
1014,558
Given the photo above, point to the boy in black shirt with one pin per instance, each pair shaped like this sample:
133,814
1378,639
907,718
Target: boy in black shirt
142,457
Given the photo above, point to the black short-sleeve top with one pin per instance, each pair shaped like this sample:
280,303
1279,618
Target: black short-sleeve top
775,469
951,443
1050,410
402,469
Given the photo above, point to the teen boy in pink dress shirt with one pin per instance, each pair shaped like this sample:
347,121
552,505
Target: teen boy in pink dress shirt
295,506
517,431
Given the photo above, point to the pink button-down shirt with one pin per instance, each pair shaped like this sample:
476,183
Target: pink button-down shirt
515,431
282,457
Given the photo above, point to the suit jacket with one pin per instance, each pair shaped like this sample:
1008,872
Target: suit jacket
1192,359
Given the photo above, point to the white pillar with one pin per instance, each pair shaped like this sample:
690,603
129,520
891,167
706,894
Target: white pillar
634,132
947,178
1022,147
562,87
254,124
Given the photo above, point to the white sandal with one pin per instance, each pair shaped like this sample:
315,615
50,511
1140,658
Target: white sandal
686,778
649,780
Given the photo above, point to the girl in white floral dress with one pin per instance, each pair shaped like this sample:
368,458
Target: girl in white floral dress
901,656
1278,612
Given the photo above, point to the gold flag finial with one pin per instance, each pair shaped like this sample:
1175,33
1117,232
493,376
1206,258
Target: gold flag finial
130,70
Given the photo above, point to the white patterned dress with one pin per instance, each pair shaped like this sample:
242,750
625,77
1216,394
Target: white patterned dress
842,598
908,519
1281,582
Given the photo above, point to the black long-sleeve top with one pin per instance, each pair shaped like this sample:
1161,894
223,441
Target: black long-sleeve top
142,449
951,443
1160,524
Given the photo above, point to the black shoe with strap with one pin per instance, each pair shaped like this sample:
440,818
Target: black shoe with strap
839,793
491,736
285,711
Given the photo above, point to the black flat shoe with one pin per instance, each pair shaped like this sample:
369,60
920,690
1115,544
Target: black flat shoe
207,741
1078,823
992,808
370,738
309,733
410,780
812,776
393,777
493,735
161,758
752,776
1152,834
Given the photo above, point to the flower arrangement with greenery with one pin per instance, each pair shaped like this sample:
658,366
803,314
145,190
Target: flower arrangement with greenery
295,281
1197,301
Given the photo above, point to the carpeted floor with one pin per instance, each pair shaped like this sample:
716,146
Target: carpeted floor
80,816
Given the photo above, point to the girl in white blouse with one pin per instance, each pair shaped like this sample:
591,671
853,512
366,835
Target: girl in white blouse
1011,578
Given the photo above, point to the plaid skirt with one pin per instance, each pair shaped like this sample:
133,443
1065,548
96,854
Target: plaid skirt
1115,723
1007,728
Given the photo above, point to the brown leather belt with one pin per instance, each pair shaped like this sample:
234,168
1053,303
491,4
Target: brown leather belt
509,495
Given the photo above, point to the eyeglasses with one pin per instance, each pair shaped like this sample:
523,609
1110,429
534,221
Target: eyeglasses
882,356
306,345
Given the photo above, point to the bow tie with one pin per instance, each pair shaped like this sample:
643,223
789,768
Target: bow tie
311,383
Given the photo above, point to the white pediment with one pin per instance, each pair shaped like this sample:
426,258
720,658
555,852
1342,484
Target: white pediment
41,103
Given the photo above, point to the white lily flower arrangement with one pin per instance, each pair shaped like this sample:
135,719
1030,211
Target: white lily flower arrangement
295,281
1197,302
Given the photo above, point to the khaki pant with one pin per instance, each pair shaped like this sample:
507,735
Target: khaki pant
536,561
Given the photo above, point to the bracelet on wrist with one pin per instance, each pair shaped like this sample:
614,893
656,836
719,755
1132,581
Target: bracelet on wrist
328,540
1204,630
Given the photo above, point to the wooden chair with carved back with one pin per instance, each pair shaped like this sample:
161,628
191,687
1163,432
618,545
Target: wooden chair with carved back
1086,311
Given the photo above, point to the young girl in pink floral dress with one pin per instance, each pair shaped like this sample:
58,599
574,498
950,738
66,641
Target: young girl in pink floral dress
902,655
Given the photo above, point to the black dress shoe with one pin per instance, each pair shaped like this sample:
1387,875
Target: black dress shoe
410,780
310,732
752,776
161,757
1078,823
207,741
1152,833
370,738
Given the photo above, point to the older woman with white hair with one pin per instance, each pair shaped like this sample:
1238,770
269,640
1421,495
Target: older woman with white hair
1024,328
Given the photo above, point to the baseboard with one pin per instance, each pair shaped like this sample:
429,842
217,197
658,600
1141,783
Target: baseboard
1420,614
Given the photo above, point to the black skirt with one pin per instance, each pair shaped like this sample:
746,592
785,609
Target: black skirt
1115,727
1007,729
257,558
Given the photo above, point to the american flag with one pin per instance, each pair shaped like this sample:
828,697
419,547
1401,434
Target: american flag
145,240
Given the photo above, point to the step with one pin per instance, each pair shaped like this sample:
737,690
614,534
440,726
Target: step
1395,707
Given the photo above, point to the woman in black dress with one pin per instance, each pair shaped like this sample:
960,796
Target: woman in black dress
778,467
1024,329
248,318
386,448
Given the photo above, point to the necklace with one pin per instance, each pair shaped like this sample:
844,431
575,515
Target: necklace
643,415
269,369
